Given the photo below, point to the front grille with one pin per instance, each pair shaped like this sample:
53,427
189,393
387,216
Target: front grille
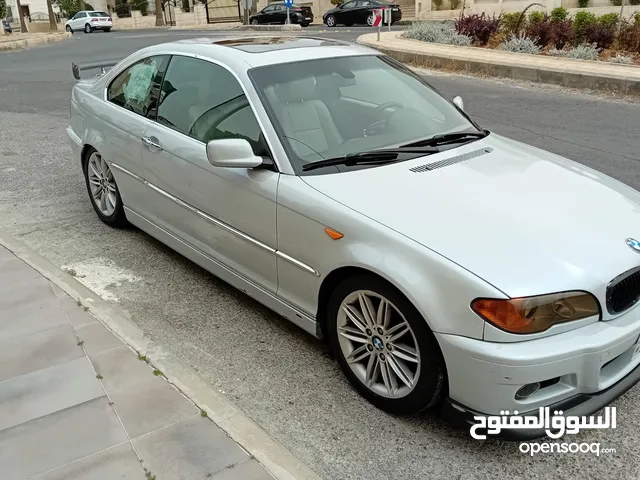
624,291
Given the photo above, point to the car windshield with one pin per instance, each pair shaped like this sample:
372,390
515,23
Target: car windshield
331,107
98,14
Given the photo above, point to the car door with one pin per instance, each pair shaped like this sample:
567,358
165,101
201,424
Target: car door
75,21
130,108
364,8
279,14
226,213
346,13
81,20
267,14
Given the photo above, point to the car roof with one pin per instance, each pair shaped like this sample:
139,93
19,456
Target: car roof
243,53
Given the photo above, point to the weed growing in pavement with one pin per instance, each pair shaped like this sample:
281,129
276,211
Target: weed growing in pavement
157,372
203,413
80,343
149,475
142,357
99,377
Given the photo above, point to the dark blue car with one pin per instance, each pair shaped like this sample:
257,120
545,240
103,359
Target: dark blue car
7,26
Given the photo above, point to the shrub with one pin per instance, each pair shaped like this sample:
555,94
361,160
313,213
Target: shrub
536,17
478,27
436,33
636,18
581,21
455,4
625,59
437,4
629,37
608,19
559,13
581,52
556,33
520,44
583,3
337,3
600,35
541,31
634,2
616,3
509,22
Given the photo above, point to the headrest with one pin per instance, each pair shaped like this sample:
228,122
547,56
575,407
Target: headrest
295,90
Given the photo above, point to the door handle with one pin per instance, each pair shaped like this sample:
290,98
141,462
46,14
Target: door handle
151,144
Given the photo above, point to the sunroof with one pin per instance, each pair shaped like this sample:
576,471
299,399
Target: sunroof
269,44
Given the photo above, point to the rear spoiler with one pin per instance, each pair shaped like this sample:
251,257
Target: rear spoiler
76,69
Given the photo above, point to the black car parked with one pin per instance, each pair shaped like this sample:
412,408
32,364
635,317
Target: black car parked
359,12
276,12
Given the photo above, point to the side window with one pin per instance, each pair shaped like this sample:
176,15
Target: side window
137,88
206,102
349,5
269,9
80,15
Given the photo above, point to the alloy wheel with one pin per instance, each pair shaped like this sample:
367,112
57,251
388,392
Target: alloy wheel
102,185
331,21
378,344
370,20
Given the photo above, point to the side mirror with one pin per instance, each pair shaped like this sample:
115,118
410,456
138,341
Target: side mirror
232,153
457,101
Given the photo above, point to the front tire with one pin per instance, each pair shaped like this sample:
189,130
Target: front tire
384,346
69,29
330,21
254,22
103,190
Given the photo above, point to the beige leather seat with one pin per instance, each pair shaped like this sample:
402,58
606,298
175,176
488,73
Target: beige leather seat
305,119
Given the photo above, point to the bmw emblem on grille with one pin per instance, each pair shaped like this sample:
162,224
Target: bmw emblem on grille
633,244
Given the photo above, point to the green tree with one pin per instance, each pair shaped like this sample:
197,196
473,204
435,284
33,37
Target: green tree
3,9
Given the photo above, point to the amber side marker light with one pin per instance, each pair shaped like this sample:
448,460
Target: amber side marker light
536,314
334,234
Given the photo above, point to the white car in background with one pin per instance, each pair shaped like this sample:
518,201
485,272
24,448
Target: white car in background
89,20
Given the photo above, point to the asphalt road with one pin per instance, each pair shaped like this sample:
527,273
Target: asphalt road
277,374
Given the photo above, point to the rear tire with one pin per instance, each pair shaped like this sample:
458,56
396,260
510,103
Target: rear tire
97,173
107,30
370,20
383,352
303,25
88,29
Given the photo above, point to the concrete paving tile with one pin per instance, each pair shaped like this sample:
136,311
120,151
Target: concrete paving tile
13,270
46,391
26,293
75,313
97,338
120,368
188,450
49,442
247,470
17,322
151,405
115,463
34,352
5,254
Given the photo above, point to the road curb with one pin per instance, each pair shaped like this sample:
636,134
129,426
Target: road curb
33,41
281,463
626,80
272,28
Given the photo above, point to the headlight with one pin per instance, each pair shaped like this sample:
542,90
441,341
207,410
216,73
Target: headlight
536,314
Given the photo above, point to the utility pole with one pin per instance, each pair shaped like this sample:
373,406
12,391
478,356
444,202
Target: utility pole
620,17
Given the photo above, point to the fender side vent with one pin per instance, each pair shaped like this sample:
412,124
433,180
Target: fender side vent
452,160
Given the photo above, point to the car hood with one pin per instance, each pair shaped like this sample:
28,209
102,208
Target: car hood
525,220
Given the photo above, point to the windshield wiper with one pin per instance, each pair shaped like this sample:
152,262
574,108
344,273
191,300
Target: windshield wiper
445,138
372,157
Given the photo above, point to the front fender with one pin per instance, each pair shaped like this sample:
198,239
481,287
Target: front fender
439,289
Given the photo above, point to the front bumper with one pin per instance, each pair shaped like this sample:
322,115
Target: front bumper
582,369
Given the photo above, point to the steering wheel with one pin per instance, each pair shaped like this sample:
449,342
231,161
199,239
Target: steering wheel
381,108
382,123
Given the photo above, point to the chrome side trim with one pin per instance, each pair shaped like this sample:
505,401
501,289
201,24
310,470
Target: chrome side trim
218,223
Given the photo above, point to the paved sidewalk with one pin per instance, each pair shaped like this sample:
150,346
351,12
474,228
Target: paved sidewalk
535,68
78,404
